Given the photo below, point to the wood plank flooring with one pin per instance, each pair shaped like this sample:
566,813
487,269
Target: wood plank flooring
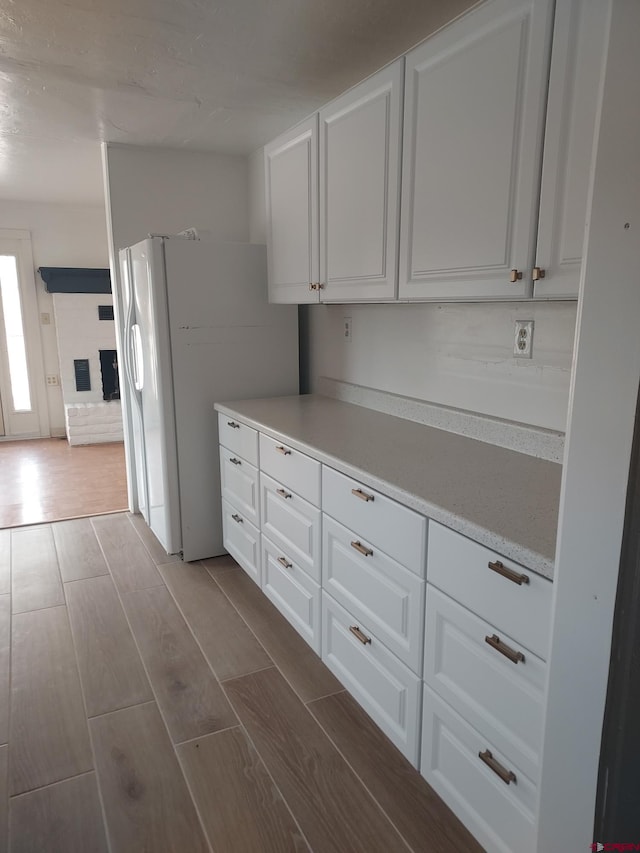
168,707
47,480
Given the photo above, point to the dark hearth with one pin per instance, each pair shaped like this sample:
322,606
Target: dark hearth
109,368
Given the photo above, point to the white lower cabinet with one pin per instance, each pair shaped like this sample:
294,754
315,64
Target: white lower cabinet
385,687
493,681
242,540
291,523
490,794
452,667
239,481
292,591
375,589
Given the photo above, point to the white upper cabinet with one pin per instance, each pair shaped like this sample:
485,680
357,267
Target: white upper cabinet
291,189
360,151
577,62
475,96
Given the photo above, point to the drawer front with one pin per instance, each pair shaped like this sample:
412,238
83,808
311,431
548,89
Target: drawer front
239,485
460,567
376,589
500,816
502,699
292,524
238,438
299,472
387,690
242,541
292,591
399,532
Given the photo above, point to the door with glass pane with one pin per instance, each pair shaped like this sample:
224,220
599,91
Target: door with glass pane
18,327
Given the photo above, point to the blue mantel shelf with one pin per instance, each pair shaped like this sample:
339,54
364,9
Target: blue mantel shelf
75,280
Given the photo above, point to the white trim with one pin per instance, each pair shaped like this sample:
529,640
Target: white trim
599,438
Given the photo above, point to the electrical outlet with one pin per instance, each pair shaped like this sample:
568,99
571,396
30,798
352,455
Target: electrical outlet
523,342
346,329
52,379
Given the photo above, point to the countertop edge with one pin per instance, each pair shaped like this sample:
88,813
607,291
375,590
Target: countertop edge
529,559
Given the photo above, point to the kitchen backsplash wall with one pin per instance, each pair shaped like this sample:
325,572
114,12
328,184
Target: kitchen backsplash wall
458,355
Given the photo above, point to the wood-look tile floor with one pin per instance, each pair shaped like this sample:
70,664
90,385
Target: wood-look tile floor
47,480
153,706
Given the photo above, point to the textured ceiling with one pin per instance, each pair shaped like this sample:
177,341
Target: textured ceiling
222,75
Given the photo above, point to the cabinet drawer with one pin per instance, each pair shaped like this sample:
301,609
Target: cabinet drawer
502,699
242,540
500,816
387,690
292,591
292,524
460,567
375,589
239,484
296,470
398,531
238,438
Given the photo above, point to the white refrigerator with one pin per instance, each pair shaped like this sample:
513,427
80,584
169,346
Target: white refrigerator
197,329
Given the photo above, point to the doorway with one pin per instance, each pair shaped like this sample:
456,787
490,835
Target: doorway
46,479
23,411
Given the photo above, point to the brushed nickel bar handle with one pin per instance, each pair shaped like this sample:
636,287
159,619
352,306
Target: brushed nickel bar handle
284,450
359,635
362,549
235,461
284,562
507,573
507,776
283,493
233,425
237,518
362,495
496,643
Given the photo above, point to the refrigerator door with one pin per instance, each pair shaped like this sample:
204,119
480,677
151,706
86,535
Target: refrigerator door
131,363
150,354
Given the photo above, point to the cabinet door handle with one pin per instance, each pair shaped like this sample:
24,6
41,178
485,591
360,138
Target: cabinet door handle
233,425
284,562
284,450
283,493
507,776
496,643
362,495
538,273
235,461
509,574
237,518
359,635
515,275
362,549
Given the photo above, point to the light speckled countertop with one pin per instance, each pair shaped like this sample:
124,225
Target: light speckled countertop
503,499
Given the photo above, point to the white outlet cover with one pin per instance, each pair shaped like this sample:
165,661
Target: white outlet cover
523,339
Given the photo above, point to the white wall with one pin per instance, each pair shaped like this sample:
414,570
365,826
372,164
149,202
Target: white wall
62,236
164,191
455,355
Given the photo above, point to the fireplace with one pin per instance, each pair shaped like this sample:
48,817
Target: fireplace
109,372
89,377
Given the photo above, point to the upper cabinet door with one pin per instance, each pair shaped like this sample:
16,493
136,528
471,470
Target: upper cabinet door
291,189
475,98
577,66
360,151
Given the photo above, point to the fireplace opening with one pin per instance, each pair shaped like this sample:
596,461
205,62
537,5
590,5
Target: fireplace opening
110,379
